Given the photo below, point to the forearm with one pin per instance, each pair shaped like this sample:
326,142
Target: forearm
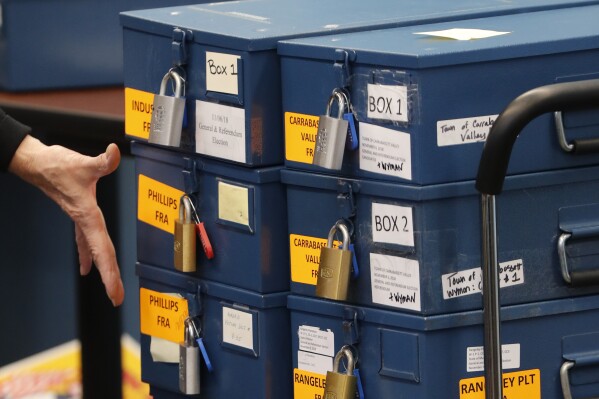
12,133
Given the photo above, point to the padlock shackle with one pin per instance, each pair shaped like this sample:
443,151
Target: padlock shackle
508,125
174,75
344,351
185,206
190,332
340,99
344,232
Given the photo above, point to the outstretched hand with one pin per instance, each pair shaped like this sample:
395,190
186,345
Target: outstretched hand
69,179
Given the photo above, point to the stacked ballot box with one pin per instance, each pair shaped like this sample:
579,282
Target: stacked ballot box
423,100
241,86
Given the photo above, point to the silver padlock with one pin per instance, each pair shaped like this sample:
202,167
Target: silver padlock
189,361
167,113
331,136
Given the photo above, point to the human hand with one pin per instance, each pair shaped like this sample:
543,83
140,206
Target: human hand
69,179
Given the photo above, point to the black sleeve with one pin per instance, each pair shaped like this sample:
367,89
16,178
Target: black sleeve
12,133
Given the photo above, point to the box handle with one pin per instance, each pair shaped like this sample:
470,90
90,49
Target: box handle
577,146
551,98
564,373
575,278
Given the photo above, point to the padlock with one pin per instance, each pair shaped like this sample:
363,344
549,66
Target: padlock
335,267
338,385
167,113
185,239
189,362
331,136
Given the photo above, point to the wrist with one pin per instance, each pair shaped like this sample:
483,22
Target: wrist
26,159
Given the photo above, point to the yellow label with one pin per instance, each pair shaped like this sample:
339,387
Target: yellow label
519,385
138,112
308,385
157,203
304,253
300,136
162,315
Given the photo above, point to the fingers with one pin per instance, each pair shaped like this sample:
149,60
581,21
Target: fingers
93,229
107,162
85,256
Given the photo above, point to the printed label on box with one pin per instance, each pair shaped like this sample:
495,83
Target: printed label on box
300,137
392,224
157,203
138,112
308,385
222,74
315,340
517,385
238,328
313,362
464,131
385,151
220,131
388,102
468,282
510,357
395,281
163,315
304,254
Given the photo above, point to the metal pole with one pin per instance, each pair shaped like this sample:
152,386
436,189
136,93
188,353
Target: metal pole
491,309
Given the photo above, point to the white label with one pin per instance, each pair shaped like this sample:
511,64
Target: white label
510,357
385,151
313,339
395,281
463,33
238,328
467,282
233,203
220,131
221,73
511,273
315,363
392,224
464,131
388,102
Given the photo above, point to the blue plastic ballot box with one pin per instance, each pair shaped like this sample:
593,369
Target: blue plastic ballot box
226,55
408,356
245,335
418,248
243,210
425,97
64,44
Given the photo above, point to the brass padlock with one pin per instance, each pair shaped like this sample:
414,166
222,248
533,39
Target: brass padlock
185,238
341,386
335,267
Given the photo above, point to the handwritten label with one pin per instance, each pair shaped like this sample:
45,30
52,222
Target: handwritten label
388,102
313,362
220,131
468,282
315,340
308,385
300,137
138,112
238,328
395,281
464,131
233,203
517,385
222,74
392,224
157,203
385,151
162,315
304,254
510,357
